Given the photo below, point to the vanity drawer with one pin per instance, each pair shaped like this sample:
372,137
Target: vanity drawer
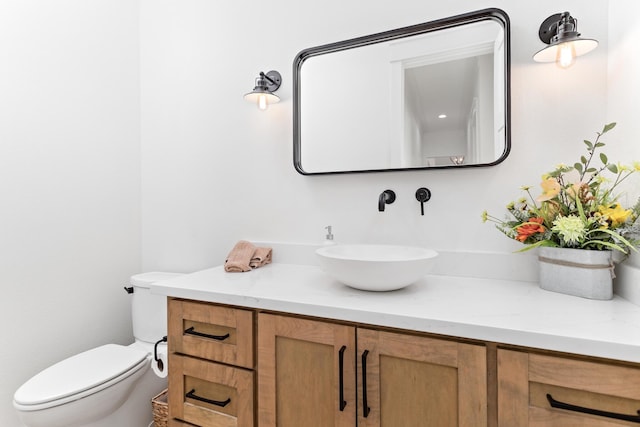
212,332
178,423
551,391
210,394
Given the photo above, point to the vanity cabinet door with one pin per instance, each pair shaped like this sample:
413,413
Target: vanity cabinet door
413,381
306,373
550,391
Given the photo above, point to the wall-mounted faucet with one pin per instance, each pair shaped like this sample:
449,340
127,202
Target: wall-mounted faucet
386,198
423,195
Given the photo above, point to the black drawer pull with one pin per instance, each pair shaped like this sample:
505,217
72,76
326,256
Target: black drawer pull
341,400
192,395
365,405
192,331
569,407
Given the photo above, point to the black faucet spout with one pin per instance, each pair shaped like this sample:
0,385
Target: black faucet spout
386,198
382,200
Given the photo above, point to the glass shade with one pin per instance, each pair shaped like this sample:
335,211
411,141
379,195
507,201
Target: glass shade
262,98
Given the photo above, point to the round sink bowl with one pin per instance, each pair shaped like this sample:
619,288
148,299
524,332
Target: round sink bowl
376,267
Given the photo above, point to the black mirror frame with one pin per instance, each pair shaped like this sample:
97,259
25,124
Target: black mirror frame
495,14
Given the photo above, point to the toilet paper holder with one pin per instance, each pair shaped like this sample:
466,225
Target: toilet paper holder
155,353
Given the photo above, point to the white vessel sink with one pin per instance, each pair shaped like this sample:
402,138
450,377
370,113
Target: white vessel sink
376,267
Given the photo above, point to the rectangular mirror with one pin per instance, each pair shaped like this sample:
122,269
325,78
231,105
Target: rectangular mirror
433,95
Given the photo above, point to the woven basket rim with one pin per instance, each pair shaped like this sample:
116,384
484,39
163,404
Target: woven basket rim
160,406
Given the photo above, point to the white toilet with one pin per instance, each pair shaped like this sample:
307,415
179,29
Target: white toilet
107,386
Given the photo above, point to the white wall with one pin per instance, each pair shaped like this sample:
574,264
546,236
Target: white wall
216,170
444,143
486,110
624,85
622,107
69,181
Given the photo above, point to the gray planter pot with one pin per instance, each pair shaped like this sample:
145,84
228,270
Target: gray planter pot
578,272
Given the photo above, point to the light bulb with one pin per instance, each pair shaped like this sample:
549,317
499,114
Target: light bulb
566,55
262,102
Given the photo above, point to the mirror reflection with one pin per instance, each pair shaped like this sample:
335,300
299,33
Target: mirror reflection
431,95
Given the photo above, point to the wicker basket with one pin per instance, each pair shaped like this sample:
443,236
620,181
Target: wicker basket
160,409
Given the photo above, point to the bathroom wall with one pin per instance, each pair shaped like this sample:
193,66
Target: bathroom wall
623,88
69,181
623,94
100,99
215,169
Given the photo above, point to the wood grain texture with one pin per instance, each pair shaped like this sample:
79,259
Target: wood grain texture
304,355
212,381
513,388
415,381
583,375
526,379
215,320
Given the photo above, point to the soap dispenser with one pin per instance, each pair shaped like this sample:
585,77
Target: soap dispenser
328,240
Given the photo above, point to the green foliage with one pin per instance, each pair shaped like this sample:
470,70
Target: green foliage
579,212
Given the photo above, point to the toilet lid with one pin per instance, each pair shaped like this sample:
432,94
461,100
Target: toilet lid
80,373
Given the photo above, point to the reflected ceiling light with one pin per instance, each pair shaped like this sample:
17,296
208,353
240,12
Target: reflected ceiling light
442,116
262,93
560,32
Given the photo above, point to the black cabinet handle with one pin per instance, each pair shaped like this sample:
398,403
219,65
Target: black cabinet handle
192,395
192,331
341,400
569,407
365,406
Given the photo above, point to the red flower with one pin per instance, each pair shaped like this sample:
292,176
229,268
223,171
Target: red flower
526,230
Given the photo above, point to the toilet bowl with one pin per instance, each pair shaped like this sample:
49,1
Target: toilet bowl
107,386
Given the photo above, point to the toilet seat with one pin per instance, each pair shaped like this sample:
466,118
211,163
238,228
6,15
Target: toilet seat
79,376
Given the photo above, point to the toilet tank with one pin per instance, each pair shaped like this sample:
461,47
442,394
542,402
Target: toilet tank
149,311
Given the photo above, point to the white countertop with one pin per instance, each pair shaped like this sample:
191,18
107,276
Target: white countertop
503,311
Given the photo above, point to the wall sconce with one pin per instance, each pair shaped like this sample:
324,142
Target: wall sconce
262,93
457,160
560,32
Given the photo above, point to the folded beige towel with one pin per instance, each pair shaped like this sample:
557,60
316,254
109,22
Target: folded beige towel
240,256
261,256
245,255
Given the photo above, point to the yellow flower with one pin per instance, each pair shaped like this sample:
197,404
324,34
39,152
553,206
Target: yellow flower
636,166
601,220
615,213
550,189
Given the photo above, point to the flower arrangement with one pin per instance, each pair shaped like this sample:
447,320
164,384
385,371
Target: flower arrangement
577,207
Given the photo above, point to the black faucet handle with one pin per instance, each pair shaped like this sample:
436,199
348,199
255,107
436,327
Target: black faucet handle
423,195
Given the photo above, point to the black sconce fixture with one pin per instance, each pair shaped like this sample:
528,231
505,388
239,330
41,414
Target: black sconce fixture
560,32
262,93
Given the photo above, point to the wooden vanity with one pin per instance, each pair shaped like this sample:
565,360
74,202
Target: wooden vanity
268,348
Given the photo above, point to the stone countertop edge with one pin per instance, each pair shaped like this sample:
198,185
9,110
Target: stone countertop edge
502,311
